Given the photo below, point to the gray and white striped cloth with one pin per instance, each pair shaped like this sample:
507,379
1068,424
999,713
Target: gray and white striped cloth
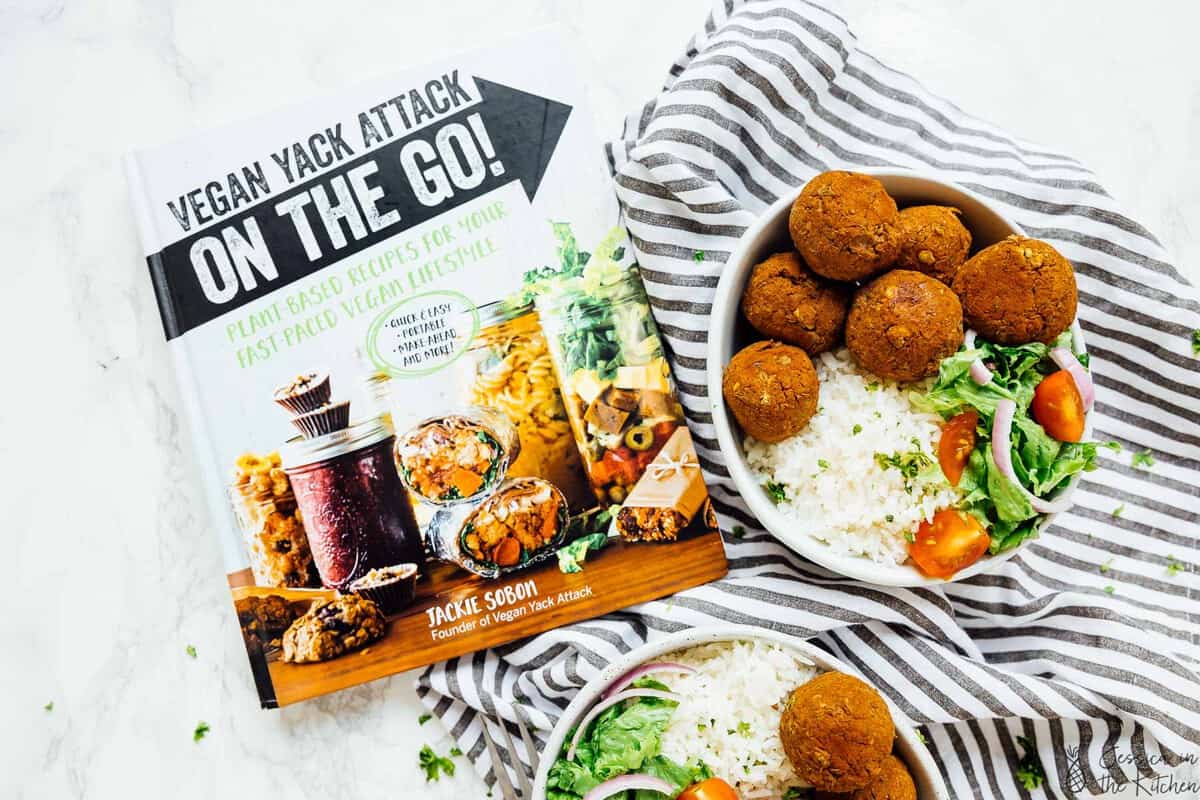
1085,642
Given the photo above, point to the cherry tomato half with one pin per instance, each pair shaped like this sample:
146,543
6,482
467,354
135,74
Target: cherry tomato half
956,444
710,789
951,541
1058,407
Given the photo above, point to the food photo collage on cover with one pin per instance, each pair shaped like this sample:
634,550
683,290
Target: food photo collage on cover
565,449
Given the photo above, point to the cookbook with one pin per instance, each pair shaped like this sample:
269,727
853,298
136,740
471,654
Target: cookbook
432,409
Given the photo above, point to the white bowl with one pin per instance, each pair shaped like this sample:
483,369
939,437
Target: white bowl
909,747
728,333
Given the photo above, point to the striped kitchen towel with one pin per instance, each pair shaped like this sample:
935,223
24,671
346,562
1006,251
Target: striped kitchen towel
1084,644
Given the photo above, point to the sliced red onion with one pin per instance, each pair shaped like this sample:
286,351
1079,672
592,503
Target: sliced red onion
608,703
645,669
980,373
1083,381
1002,454
631,782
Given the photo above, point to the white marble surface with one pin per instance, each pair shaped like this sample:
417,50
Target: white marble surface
111,571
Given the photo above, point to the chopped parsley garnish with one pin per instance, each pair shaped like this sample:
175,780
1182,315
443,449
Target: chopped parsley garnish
910,537
1118,511
890,518
1114,446
743,728
49,706
1144,459
797,793
700,727
921,736
1106,566
1085,359
191,650
455,752
698,256
201,731
1174,566
738,531
1110,589
873,386
434,765
421,720
856,430
1029,768
911,464
775,491
1196,342
822,463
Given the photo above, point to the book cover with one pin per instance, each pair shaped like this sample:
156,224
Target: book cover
432,408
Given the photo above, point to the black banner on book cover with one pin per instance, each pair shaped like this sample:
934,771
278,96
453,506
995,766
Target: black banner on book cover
508,135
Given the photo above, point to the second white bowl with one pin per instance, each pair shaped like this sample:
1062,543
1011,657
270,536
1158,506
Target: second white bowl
909,747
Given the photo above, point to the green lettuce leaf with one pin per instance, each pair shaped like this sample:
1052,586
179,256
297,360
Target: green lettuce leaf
680,776
1073,458
572,556
1011,505
569,780
623,743
1035,453
624,739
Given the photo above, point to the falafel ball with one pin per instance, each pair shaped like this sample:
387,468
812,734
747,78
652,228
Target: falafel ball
837,732
845,225
933,240
902,325
785,300
892,782
771,389
1018,291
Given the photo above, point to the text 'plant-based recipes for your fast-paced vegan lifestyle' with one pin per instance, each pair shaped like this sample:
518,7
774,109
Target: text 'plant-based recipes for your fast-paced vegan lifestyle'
432,408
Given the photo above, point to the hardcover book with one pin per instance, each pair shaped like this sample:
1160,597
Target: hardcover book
432,409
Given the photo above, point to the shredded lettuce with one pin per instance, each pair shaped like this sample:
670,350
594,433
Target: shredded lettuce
623,739
572,556
603,324
1041,463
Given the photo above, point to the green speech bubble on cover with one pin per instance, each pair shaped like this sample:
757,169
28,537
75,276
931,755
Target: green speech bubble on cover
422,334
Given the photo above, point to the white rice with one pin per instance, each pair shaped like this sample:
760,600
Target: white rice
729,715
836,490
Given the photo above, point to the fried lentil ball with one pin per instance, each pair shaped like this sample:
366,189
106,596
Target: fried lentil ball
933,240
892,782
1017,291
837,732
771,390
845,225
785,300
902,325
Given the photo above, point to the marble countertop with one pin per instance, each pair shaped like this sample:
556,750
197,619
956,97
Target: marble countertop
112,571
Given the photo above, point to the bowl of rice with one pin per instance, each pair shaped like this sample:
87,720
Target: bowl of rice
730,709
826,492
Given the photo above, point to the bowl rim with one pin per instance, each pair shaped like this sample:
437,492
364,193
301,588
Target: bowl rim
725,309
915,753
